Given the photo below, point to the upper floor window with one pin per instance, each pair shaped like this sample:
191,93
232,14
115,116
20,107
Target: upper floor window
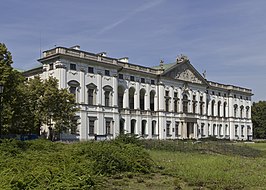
132,78
142,80
51,66
121,76
235,110
90,70
212,92
107,95
234,96
91,94
152,81
73,88
185,103
73,66
166,93
107,73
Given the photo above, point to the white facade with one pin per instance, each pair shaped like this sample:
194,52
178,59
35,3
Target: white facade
171,101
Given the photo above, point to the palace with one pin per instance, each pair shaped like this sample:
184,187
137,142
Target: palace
169,101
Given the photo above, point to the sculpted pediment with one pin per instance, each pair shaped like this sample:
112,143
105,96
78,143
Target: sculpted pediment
186,73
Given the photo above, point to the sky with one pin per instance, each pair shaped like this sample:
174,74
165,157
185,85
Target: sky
226,38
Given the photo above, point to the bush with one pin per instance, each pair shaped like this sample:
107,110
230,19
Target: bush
112,157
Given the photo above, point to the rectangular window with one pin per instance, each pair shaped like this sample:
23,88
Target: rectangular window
120,76
242,130
224,95
175,94
90,70
107,98
108,127
152,81
90,96
142,80
212,92
168,129
176,128
91,127
202,129
167,105
73,66
107,73
236,130
166,93
132,78
175,106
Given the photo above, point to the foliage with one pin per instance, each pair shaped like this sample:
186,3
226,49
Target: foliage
10,79
259,119
128,138
41,164
216,147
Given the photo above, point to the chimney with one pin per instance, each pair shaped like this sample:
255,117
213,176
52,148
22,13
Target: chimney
103,54
76,47
123,59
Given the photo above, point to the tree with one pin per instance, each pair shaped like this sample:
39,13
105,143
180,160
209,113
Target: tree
30,104
11,79
259,119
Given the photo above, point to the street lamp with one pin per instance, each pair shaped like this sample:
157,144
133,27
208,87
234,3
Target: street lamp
1,92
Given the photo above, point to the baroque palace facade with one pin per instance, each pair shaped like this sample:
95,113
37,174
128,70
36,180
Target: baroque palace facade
170,101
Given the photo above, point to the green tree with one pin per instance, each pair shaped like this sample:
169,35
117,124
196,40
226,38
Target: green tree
30,104
11,79
259,119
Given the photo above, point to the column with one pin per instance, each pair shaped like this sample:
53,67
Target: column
99,90
147,98
136,97
161,98
82,85
84,123
126,98
115,92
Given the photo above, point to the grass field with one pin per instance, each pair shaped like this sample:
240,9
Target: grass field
118,165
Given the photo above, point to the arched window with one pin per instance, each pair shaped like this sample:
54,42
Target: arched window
153,128
91,93
122,126
132,126
225,109
213,104
73,88
235,110
226,130
142,99
219,109
121,91
152,95
131,97
241,111
107,95
247,112
185,103
143,127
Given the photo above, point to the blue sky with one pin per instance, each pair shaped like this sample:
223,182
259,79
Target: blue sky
226,38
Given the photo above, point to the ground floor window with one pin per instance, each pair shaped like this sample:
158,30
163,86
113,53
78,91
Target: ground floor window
168,128
108,127
176,128
153,128
91,127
